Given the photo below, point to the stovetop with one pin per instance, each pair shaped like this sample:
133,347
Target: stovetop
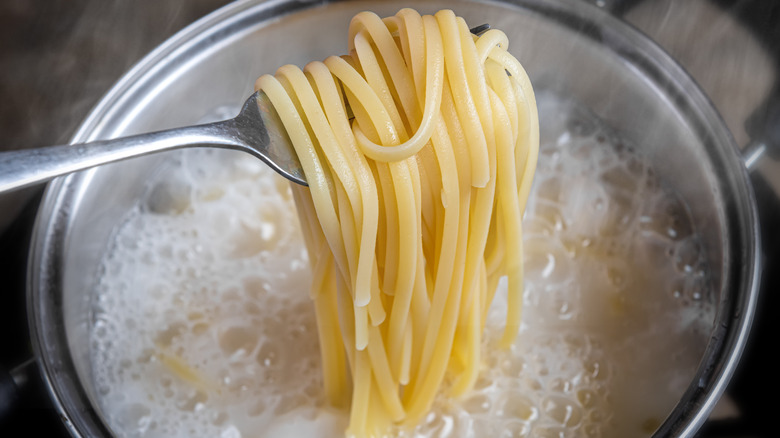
51,76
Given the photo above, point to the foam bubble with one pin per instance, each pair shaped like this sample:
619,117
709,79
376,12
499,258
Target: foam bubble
203,326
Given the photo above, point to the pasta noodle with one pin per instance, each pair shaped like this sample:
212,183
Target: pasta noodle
419,148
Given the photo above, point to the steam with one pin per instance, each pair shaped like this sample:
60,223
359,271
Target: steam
734,70
59,57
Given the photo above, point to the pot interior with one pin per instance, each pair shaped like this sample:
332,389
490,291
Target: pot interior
571,51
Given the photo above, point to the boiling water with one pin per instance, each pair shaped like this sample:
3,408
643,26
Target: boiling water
203,326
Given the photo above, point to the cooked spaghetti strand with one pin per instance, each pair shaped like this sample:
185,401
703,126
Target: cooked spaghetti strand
419,147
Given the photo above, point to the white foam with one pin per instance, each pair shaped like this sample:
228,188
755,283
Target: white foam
203,325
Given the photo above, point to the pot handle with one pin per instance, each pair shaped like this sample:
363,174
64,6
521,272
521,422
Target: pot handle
9,394
763,127
11,383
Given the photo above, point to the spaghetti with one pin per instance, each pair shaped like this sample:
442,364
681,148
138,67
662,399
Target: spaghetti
419,148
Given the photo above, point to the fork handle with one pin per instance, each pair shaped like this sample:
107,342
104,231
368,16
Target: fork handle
25,167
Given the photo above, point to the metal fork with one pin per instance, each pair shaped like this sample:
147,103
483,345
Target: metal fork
257,130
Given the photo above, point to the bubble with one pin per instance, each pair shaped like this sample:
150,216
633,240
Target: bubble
533,383
560,385
517,406
169,197
477,404
694,288
591,431
238,340
594,370
562,411
166,337
436,424
135,417
515,429
550,432
513,366
546,261
665,216
686,255
586,397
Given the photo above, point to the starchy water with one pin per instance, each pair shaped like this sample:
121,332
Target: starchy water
203,326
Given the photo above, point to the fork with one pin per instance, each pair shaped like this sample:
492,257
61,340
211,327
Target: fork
257,130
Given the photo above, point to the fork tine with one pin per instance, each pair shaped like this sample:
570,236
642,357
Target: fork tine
267,140
479,30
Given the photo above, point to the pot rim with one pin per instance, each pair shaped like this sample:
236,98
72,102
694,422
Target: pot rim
723,351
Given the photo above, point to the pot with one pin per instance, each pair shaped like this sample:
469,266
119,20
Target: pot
569,48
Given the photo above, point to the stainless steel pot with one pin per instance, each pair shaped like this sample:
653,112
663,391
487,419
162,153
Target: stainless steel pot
569,48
